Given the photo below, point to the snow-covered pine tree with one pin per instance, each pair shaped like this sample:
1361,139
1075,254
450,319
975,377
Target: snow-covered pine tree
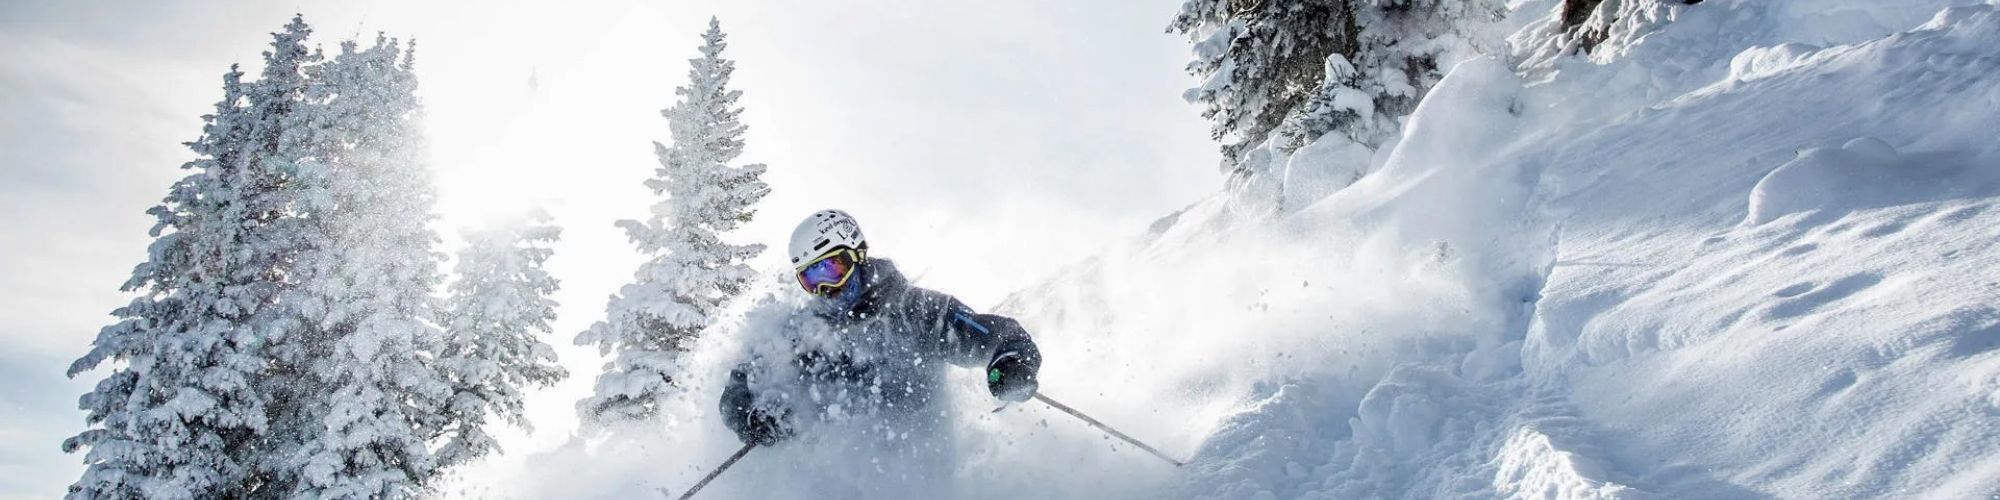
287,126
1405,47
1278,75
1258,60
378,394
498,309
691,273
177,421
185,417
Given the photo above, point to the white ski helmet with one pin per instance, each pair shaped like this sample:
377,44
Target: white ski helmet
824,231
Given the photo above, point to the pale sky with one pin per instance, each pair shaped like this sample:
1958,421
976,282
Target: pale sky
981,144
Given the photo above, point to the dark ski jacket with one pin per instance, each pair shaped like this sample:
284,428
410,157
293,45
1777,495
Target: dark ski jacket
899,338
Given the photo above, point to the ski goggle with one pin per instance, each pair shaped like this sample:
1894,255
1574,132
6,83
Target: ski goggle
829,272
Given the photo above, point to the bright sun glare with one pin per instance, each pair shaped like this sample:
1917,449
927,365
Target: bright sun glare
491,166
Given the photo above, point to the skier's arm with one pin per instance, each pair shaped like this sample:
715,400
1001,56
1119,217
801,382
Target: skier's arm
997,343
970,339
1011,374
990,336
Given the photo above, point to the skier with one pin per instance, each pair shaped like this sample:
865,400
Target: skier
887,333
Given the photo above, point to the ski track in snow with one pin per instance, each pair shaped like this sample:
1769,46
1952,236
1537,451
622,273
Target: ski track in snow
1738,266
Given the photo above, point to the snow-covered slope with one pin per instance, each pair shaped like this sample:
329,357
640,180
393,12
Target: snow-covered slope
1769,275
1748,252
1783,282
1727,264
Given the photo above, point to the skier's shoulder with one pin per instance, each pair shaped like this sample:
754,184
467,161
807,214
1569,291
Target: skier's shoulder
883,274
887,284
889,281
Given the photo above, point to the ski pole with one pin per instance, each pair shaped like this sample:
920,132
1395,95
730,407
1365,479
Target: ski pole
718,470
1106,428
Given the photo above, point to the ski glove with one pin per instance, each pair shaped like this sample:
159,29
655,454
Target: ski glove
1010,378
760,427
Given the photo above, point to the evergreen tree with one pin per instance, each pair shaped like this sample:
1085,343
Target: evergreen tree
365,299
498,309
284,344
691,273
285,130
1278,75
176,420
1404,47
1258,60
185,416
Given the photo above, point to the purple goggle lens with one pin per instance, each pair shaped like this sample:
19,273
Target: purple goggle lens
827,273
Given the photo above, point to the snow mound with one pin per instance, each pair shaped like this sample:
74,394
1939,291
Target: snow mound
1867,173
1758,62
1532,465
